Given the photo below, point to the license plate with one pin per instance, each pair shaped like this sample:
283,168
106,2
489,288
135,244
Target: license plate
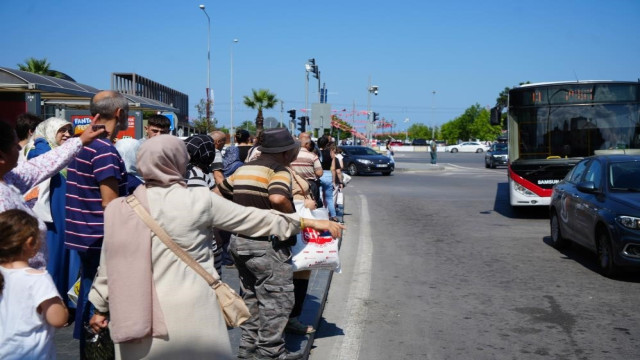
382,165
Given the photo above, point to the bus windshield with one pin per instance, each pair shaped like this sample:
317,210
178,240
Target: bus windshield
567,129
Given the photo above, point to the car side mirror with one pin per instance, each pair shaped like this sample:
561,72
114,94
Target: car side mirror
587,187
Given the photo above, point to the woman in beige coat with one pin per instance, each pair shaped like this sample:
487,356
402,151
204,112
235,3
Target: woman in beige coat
159,308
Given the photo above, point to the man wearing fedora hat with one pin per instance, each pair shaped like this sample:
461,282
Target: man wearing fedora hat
264,263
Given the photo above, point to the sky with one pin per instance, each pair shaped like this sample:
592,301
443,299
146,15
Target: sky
430,59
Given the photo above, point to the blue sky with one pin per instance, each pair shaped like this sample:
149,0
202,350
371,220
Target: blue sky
465,51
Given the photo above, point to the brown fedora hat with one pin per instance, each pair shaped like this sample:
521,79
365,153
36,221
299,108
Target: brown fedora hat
277,141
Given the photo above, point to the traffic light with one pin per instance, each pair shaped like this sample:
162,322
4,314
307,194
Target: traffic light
292,113
374,117
302,125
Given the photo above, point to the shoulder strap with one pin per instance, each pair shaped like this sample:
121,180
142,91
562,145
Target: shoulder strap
297,182
214,282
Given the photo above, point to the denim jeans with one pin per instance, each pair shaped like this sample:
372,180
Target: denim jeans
327,189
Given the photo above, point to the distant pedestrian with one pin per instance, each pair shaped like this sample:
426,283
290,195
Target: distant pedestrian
217,167
434,151
202,152
157,124
30,305
327,178
308,166
128,149
243,143
25,128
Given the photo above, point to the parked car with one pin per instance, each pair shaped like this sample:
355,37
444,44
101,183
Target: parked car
363,160
396,143
496,155
469,146
597,205
419,142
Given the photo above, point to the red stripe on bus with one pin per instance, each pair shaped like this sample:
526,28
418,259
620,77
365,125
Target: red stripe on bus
529,185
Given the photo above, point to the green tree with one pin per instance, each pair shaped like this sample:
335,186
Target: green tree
248,125
202,124
419,131
502,102
472,124
39,66
260,99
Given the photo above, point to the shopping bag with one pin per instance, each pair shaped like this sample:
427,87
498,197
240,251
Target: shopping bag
339,197
74,291
314,249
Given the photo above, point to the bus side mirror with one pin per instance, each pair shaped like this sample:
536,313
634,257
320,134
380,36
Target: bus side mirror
495,116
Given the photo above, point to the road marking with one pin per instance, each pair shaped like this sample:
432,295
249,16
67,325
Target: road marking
359,292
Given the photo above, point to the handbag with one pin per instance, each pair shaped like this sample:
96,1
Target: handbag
98,346
233,308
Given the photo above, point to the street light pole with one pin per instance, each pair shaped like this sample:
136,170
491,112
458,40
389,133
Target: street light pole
371,89
208,68
231,132
433,121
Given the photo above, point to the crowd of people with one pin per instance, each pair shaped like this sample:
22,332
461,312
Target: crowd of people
73,252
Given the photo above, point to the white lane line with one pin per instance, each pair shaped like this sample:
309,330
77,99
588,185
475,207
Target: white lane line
360,286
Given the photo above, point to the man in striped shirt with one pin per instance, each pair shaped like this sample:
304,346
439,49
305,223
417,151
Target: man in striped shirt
308,166
264,264
94,178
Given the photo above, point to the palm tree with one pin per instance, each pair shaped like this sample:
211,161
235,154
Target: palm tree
41,67
260,99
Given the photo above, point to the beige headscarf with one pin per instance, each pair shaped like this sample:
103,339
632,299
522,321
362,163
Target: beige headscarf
48,130
162,161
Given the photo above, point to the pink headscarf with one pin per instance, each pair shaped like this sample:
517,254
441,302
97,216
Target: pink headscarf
162,161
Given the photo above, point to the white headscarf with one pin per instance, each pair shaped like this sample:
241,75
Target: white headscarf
128,149
49,128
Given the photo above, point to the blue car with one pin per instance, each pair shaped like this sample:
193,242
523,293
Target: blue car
597,205
363,160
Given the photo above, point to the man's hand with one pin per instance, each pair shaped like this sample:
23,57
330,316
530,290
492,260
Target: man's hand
333,227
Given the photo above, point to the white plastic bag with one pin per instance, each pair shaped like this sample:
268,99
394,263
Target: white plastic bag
315,250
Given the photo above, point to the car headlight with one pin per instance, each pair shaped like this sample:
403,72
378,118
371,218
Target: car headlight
522,190
364,161
629,222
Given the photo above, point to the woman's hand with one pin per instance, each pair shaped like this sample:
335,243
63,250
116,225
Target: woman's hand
98,322
88,135
333,227
310,204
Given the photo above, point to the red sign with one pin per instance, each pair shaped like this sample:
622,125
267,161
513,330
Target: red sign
131,129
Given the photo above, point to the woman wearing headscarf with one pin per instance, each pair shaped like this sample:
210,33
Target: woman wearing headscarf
16,179
63,264
128,149
202,152
158,306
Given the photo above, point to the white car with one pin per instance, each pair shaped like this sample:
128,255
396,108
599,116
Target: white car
469,146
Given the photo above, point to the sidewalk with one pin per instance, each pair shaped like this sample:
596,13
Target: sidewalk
67,347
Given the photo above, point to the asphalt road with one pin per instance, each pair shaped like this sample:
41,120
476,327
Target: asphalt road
436,265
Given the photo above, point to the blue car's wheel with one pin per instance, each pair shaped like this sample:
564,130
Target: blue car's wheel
605,255
557,241
352,169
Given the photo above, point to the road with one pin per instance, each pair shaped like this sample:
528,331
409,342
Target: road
436,265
